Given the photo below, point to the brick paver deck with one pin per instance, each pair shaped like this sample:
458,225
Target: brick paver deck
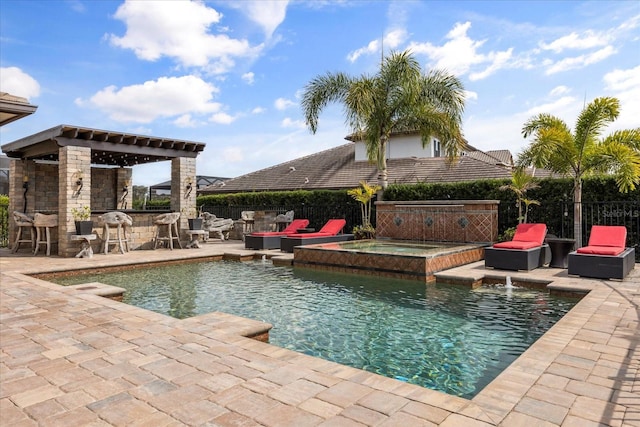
70,358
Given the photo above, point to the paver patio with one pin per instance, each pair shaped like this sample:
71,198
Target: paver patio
71,358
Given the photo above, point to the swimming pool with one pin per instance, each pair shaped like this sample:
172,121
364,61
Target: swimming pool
438,336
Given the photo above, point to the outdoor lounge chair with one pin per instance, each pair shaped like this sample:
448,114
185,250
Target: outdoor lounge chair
605,256
271,239
525,252
328,233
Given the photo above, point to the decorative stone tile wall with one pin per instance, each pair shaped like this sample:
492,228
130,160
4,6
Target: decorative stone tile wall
467,221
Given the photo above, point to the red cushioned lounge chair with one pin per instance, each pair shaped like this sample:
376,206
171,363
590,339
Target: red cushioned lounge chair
605,256
271,239
525,252
330,232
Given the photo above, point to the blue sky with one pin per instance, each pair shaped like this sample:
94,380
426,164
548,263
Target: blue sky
230,73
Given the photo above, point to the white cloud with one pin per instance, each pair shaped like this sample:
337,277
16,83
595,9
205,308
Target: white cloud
179,30
625,85
283,104
269,14
18,83
391,40
559,90
233,154
470,95
165,97
248,77
588,40
579,61
222,118
556,108
258,110
460,53
290,123
185,121
621,80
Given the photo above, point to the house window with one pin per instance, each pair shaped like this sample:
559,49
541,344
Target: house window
436,148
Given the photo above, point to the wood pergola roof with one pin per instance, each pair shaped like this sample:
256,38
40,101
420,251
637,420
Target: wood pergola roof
107,147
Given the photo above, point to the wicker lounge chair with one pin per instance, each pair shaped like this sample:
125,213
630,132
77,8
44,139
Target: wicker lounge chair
605,256
525,252
328,233
271,239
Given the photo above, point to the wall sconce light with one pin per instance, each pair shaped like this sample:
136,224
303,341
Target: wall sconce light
25,185
125,193
188,188
79,183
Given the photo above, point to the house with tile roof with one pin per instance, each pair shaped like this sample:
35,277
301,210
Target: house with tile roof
343,167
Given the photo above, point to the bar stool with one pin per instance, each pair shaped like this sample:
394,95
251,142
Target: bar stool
23,222
119,221
170,220
43,224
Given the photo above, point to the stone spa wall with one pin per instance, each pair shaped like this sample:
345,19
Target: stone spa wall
460,221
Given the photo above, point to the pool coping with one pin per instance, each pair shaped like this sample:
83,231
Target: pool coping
582,371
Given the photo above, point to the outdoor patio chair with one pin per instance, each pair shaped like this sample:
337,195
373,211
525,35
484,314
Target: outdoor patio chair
271,239
24,224
170,221
43,225
525,251
328,233
605,256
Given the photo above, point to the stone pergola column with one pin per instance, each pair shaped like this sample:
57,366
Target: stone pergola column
74,167
21,172
183,200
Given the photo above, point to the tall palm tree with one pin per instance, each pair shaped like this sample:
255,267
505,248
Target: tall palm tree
584,152
398,98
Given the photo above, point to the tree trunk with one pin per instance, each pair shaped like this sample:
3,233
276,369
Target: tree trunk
577,212
382,167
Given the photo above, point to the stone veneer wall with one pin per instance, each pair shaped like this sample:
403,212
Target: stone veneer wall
466,221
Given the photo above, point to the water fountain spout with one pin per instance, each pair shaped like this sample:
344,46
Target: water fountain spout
508,284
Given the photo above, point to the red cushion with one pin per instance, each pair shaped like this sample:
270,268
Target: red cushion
601,250
516,245
333,226
309,235
608,235
530,233
295,225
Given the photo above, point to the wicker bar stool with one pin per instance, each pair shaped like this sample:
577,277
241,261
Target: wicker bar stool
24,224
43,224
169,220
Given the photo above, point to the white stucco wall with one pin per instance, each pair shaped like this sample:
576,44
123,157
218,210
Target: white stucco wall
399,147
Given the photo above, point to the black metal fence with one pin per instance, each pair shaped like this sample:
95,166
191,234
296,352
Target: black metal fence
559,218
317,215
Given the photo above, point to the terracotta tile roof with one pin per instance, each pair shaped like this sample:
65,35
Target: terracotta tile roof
336,168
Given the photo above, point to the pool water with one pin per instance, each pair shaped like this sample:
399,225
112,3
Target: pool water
391,247
442,337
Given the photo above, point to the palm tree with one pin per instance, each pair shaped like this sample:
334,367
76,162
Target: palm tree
521,182
584,152
363,195
398,98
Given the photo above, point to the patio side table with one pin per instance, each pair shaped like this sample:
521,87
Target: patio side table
86,244
560,249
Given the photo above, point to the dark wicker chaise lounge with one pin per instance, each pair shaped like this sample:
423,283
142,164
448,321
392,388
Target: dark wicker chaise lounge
525,252
605,256
271,239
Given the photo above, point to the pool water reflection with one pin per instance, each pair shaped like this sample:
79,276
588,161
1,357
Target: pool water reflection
442,337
